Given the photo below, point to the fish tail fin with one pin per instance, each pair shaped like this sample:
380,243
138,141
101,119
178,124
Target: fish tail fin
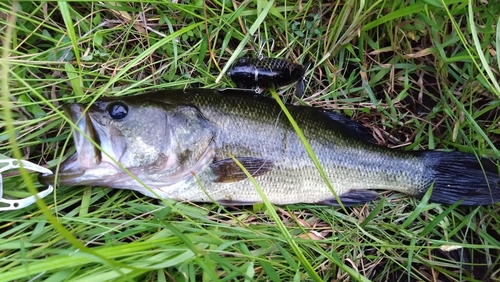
461,176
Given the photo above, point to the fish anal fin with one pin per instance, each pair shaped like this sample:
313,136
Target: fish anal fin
352,198
227,170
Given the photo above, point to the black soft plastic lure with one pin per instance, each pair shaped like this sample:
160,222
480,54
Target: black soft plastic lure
255,73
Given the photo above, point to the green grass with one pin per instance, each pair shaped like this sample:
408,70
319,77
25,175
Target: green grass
420,75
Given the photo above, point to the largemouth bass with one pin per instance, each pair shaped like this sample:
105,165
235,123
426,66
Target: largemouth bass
180,144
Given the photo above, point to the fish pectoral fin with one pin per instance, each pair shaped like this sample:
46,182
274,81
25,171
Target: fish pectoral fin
352,198
227,170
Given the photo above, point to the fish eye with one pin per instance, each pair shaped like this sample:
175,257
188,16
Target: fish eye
117,110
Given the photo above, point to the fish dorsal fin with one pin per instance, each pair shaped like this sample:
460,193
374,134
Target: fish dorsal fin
349,127
227,170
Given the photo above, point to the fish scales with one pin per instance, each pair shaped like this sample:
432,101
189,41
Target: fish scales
295,173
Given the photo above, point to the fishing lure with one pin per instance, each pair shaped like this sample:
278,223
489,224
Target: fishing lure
257,73
9,204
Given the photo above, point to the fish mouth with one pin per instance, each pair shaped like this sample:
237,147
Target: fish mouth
87,155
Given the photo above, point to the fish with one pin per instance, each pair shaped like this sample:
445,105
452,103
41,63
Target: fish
259,73
182,145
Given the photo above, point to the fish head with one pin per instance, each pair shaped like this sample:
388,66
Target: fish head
131,143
